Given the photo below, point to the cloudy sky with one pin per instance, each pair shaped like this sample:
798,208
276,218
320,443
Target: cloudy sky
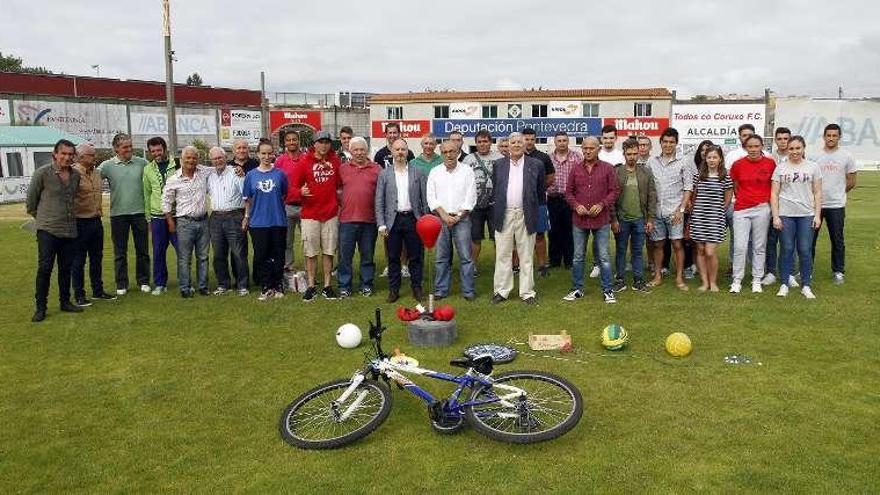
694,47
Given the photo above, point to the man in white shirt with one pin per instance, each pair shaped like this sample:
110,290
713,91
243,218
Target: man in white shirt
608,153
228,240
838,178
452,194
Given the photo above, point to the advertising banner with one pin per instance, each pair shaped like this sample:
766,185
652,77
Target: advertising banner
544,127
565,109
281,118
240,124
408,128
96,122
637,126
716,122
858,121
465,110
156,124
14,189
5,119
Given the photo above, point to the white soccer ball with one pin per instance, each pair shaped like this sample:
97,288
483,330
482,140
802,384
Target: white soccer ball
348,336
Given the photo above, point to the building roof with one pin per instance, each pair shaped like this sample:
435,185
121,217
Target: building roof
36,135
537,94
61,85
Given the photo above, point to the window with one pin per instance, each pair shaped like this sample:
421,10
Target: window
642,110
14,165
490,111
539,110
578,141
441,112
42,158
539,140
591,109
395,113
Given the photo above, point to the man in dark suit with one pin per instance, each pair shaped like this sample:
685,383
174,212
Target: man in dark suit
397,210
519,185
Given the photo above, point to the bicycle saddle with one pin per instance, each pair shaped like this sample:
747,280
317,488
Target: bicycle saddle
482,364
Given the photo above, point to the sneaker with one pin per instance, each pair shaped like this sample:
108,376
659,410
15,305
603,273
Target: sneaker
266,295
470,297
689,273
393,296
82,302
333,273
498,298
594,273
783,291
367,292
187,293
243,292
664,272
404,271
836,278
146,289
530,301
310,294
344,294
384,273
159,290
808,292
121,292
769,279
544,271
278,294
641,286
104,296
67,307
609,298
792,282
757,288
574,295
219,291
328,293
204,292
619,285
735,287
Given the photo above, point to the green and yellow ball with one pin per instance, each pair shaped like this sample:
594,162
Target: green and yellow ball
614,337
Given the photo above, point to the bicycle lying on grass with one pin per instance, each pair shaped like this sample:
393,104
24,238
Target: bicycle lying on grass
515,406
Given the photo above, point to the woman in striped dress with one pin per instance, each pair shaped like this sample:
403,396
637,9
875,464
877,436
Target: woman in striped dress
712,192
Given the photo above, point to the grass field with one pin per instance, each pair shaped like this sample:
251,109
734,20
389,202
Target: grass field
159,394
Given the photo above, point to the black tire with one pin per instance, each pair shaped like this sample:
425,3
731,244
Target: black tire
308,422
551,408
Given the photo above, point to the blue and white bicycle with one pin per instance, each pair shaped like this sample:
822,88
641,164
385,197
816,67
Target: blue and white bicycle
515,406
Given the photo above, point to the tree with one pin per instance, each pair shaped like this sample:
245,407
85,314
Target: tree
194,79
11,63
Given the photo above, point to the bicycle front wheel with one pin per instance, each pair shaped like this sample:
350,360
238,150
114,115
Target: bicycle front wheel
315,421
549,407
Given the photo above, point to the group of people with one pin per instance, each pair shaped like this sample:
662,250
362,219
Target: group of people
516,195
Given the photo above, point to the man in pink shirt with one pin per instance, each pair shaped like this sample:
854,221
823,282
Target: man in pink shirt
357,218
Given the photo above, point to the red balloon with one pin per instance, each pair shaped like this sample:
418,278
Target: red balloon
428,228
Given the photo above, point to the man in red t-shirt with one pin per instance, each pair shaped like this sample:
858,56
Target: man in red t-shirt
285,163
357,218
316,175
751,213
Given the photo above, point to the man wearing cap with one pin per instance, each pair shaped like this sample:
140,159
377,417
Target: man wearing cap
228,240
125,174
156,174
316,175
90,231
50,200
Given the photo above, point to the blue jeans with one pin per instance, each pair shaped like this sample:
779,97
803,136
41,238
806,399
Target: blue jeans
460,235
797,233
161,239
192,235
580,244
363,235
632,233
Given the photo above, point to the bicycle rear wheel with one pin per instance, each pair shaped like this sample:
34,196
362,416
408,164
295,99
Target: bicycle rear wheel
550,407
312,421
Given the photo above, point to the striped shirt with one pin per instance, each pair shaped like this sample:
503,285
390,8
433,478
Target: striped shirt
563,170
225,190
672,177
186,197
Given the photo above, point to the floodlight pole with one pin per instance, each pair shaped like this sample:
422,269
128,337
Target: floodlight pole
169,78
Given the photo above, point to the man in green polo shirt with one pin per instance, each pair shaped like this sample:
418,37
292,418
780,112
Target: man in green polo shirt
125,174
428,159
156,173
